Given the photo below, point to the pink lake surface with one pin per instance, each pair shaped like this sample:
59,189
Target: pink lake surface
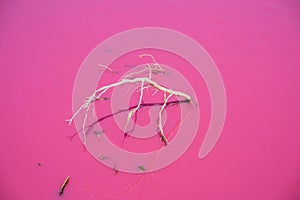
256,46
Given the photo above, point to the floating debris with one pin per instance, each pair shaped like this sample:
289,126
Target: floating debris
116,170
101,157
98,134
62,188
141,168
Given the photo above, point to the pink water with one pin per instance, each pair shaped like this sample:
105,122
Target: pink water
255,45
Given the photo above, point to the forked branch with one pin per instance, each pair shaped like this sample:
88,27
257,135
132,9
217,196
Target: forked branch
130,79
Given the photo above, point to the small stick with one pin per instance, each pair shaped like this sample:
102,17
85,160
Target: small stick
61,190
108,68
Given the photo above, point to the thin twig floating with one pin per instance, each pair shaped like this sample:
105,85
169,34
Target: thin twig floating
108,68
62,188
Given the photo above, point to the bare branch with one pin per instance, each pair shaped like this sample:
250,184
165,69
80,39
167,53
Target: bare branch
129,79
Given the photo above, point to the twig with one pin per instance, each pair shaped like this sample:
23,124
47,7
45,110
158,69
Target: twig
62,188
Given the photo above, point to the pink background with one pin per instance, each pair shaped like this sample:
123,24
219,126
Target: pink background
255,45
